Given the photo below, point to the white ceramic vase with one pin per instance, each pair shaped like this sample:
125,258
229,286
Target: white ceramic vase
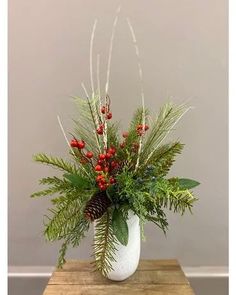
127,257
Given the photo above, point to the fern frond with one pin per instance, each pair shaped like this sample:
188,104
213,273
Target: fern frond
56,163
104,244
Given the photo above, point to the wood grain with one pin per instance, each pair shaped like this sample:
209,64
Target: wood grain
159,277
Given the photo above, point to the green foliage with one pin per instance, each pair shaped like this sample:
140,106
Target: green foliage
149,196
185,183
85,124
113,134
56,184
133,138
120,227
79,181
164,157
140,182
65,220
57,163
170,195
73,238
168,116
104,243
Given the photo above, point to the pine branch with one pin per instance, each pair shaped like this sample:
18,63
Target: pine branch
136,120
112,134
85,124
164,157
56,163
46,192
168,116
104,244
56,184
62,253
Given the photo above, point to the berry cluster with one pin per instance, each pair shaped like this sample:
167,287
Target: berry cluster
106,164
105,110
80,144
141,129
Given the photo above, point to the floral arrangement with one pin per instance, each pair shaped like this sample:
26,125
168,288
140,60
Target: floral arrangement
112,172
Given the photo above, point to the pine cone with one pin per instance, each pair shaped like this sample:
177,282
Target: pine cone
97,206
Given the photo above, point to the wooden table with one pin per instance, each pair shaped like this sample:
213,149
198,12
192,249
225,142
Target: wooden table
159,277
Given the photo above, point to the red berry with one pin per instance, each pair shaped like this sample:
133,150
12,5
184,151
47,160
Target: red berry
125,134
73,143
112,151
103,110
89,155
139,127
100,131
102,187
108,155
135,146
81,144
100,162
122,145
146,127
113,164
106,169
102,181
140,132
109,116
99,177
112,180
84,161
102,156
98,168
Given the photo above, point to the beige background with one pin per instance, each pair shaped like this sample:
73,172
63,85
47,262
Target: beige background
183,47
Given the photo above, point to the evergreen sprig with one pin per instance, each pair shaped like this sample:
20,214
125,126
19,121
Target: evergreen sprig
55,162
104,243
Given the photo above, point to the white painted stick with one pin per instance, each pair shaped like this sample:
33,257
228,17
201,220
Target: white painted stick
98,78
64,134
141,85
110,50
91,56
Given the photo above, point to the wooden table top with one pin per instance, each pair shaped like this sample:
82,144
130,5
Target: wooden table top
159,277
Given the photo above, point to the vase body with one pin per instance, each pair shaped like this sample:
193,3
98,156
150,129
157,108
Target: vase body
127,257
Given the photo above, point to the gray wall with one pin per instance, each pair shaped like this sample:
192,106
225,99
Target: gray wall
183,47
